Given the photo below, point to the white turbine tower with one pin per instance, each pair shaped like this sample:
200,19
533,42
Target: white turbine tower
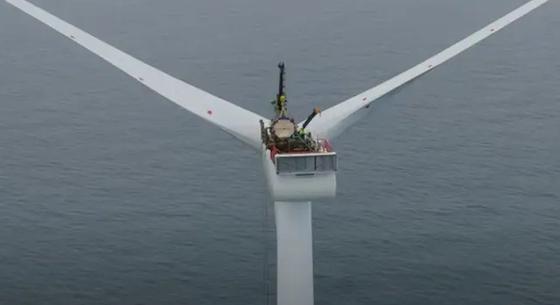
295,175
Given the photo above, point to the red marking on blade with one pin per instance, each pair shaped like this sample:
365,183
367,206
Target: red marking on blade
209,112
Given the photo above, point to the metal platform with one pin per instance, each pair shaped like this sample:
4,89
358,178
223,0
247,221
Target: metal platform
306,163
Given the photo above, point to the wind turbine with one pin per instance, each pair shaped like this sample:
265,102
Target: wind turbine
298,162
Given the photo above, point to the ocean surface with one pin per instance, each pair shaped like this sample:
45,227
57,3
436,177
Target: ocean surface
449,190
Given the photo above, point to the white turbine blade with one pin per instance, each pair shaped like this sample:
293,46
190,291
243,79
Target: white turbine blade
235,120
335,119
295,253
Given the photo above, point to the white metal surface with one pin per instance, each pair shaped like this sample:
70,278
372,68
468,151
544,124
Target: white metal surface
233,119
295,253
336,119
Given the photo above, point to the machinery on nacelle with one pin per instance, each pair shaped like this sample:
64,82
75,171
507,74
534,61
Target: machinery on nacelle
283,134
292,149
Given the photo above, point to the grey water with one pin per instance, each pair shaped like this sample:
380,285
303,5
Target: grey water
448,192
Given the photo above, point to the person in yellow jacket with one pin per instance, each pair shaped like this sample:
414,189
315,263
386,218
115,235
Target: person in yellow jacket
281,109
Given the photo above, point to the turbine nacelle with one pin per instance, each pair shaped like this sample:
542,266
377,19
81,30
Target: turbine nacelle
300,177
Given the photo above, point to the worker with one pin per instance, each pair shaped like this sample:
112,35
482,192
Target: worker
281,106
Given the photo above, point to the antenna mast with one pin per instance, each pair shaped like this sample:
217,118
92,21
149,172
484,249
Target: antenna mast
281,101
